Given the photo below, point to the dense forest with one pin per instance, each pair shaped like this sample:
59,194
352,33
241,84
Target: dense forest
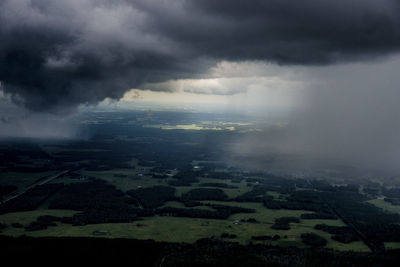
205,252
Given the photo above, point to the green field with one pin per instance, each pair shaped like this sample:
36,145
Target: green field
230,192
135,178
173,229
177,229
385,205
392,245
28,217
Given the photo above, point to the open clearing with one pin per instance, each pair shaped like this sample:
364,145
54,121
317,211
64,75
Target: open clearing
174,229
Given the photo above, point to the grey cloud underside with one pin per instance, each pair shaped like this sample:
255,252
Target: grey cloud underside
58,54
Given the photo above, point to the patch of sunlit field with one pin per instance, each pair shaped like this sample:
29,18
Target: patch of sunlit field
193,127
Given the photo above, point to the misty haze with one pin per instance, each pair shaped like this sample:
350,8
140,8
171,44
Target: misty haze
200,133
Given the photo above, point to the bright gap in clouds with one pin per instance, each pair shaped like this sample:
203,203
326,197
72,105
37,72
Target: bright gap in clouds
242,87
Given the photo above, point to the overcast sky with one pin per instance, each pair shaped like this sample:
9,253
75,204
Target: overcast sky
55,55
336,61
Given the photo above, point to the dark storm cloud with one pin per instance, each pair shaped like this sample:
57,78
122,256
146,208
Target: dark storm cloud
307,32
55,55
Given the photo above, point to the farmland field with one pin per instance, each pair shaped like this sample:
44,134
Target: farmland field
169,183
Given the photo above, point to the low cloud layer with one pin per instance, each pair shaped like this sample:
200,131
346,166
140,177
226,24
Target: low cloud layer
15,122
55,55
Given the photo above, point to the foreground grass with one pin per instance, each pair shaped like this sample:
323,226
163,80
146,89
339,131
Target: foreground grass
173,229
